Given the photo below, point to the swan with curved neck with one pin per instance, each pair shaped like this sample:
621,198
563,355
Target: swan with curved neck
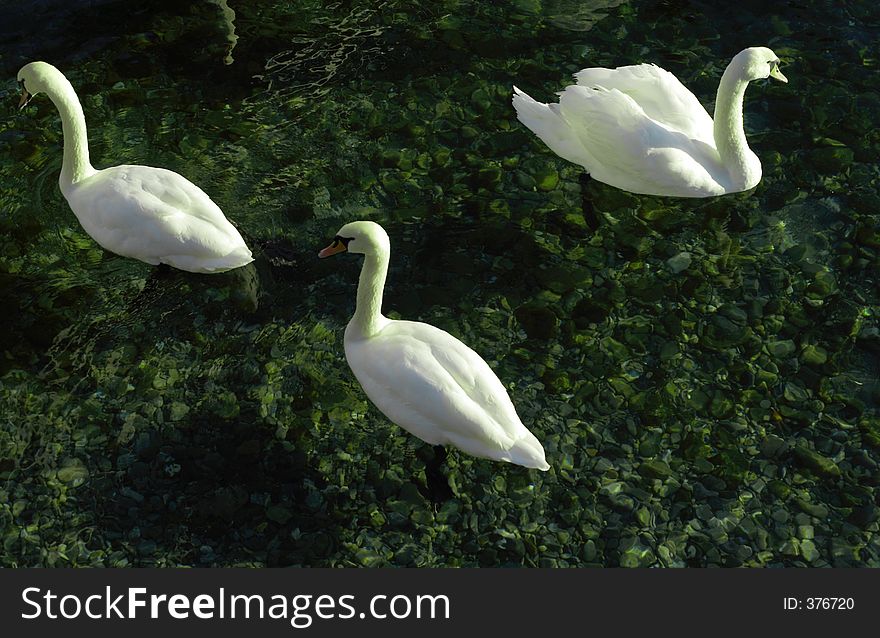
150,214
422,378
639,129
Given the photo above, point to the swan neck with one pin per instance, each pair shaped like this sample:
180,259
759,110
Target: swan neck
76,165
368,319
730,137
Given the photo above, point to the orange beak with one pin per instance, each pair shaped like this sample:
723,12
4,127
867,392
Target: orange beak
336,247
25,98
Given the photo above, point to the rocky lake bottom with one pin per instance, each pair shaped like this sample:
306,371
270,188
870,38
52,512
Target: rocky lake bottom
703,374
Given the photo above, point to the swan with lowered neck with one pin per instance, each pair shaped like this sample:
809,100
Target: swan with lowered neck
150,214
639,129
422,378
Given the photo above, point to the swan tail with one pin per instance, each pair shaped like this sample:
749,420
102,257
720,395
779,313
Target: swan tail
237,258
546,121
528,452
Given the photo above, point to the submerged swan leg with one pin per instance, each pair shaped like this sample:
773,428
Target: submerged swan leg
587,203
437,483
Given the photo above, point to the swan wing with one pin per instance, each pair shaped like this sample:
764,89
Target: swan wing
168,190
660,94
433,385
633,151
157,216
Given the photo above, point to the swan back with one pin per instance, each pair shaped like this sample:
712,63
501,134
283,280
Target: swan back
157,216
437,388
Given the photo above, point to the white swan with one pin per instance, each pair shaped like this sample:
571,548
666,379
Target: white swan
422,378
638,128
150,214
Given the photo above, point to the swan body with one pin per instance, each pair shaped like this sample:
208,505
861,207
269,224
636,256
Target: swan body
639,129
422,378
150,214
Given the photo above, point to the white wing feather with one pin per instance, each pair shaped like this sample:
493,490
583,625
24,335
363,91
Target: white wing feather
433,385
157,216
660,94
638,153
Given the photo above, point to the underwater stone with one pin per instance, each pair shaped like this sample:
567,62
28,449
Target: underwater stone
390,158
794,393
648,449
546,179
178,411
655,468
489,176
679,262
481,100
442,157
779,489
537,320
556,381
773,446
816,510
525,181
814,355
781,349
723,333
823,285
669,350
614,349
831,159
870,428
73,472
278,514
147,444
815,462
809,551
589,551
721,407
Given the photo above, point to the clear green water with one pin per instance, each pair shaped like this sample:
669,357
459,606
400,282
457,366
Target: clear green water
717,411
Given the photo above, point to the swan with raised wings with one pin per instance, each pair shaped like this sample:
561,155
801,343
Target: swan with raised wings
639,129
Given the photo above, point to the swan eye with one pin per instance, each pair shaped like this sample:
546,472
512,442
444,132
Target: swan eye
342,240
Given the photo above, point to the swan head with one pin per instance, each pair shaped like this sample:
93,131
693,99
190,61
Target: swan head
364,237
756,63
35,77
